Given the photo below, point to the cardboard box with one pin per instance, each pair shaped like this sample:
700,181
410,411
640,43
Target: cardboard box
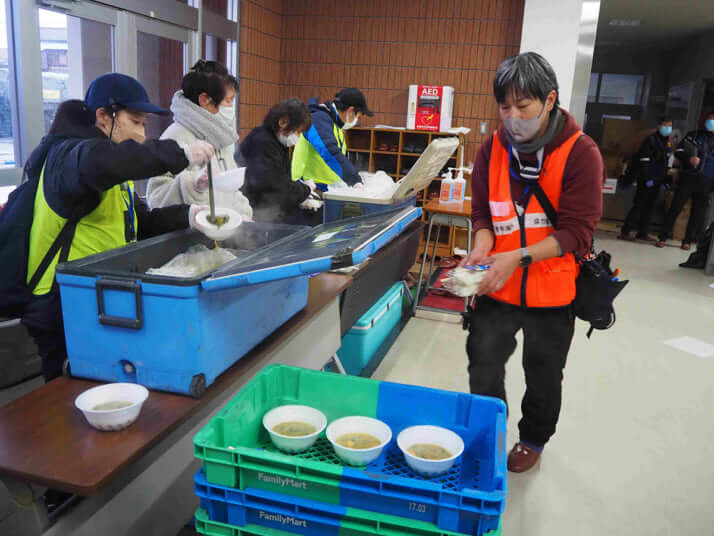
623,135
614,164
680,225
430,108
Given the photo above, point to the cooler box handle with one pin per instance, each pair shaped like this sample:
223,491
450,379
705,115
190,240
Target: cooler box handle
119,321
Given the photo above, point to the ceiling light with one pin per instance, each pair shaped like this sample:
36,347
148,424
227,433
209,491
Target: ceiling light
628,23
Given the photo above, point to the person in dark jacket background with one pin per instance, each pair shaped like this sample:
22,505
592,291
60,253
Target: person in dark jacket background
321,153
695,154
652,159
85,166
274,196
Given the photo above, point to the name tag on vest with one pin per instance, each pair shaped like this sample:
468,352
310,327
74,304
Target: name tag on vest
532,220
500,209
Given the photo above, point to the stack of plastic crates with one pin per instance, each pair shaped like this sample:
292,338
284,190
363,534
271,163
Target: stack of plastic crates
248,487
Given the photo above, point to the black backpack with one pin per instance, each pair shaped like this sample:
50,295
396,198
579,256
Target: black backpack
596,286
15,224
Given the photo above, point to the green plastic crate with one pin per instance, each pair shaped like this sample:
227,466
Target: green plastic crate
237,453
361,524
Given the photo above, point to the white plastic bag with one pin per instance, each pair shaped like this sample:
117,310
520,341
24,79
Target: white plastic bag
197,259
464,281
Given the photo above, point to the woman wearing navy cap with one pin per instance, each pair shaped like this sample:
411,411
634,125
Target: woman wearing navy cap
85,201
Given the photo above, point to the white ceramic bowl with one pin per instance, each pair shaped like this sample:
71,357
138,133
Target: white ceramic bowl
112,419
365,425
437,436
293,413
226,230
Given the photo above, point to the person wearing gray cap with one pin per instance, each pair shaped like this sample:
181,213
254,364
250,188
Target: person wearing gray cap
321,153
84,199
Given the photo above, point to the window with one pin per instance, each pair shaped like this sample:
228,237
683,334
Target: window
74,52
592,89
7,144
160,69
215,48
219,7
621,89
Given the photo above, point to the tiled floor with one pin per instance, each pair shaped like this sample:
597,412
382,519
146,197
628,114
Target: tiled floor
634,451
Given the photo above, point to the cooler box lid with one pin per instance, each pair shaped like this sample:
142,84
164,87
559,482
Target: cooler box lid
421,174
318,249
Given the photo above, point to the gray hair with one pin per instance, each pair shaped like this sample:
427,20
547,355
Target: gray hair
526,75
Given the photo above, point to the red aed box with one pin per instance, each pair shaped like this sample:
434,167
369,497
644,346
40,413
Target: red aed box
430,107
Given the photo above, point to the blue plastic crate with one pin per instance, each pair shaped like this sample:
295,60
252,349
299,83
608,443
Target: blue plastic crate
237,452
364,338
310,518
334,209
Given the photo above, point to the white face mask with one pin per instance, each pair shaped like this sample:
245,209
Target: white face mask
523,130
227,113
349,124
289,140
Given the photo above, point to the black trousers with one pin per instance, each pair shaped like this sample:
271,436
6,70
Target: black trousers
640,214
547,334
43,319
689,186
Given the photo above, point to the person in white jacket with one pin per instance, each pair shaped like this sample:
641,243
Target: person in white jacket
203,110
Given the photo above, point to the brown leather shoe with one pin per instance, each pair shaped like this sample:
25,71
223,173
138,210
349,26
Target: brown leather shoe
685,246
660,244
522,458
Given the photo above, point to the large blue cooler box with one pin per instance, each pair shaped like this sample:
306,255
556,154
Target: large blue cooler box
178,334
369,332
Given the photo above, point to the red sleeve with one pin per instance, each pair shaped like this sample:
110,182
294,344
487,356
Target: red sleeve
480,211
580,206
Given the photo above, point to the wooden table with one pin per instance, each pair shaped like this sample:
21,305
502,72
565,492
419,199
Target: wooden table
140,480
447,215
435,206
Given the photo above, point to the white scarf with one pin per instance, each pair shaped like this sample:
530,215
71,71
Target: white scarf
215,129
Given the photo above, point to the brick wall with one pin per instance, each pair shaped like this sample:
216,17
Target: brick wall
260,36
380,46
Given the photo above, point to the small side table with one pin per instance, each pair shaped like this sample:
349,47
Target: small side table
441,215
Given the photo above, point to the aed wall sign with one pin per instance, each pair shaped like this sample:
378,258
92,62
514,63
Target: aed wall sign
430,107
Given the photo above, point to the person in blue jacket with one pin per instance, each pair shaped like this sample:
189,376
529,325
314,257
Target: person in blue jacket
321,153
695,154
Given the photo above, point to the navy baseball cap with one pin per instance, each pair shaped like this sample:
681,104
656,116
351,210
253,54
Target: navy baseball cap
354,97
115,88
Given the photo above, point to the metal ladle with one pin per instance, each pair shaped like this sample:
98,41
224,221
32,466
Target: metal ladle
212,218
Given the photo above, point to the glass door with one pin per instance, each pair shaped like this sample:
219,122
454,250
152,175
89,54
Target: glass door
163,51
75,48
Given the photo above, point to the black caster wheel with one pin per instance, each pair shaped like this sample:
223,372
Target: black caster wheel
198,385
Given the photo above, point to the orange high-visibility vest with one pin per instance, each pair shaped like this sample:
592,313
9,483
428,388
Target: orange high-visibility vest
548,283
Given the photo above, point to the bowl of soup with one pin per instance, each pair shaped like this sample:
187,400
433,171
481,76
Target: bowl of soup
358,440
430,450
112,406
294,428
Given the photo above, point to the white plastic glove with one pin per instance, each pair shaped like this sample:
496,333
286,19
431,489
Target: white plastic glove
200,181
310,184
311,204
193,213
229,181
198,153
